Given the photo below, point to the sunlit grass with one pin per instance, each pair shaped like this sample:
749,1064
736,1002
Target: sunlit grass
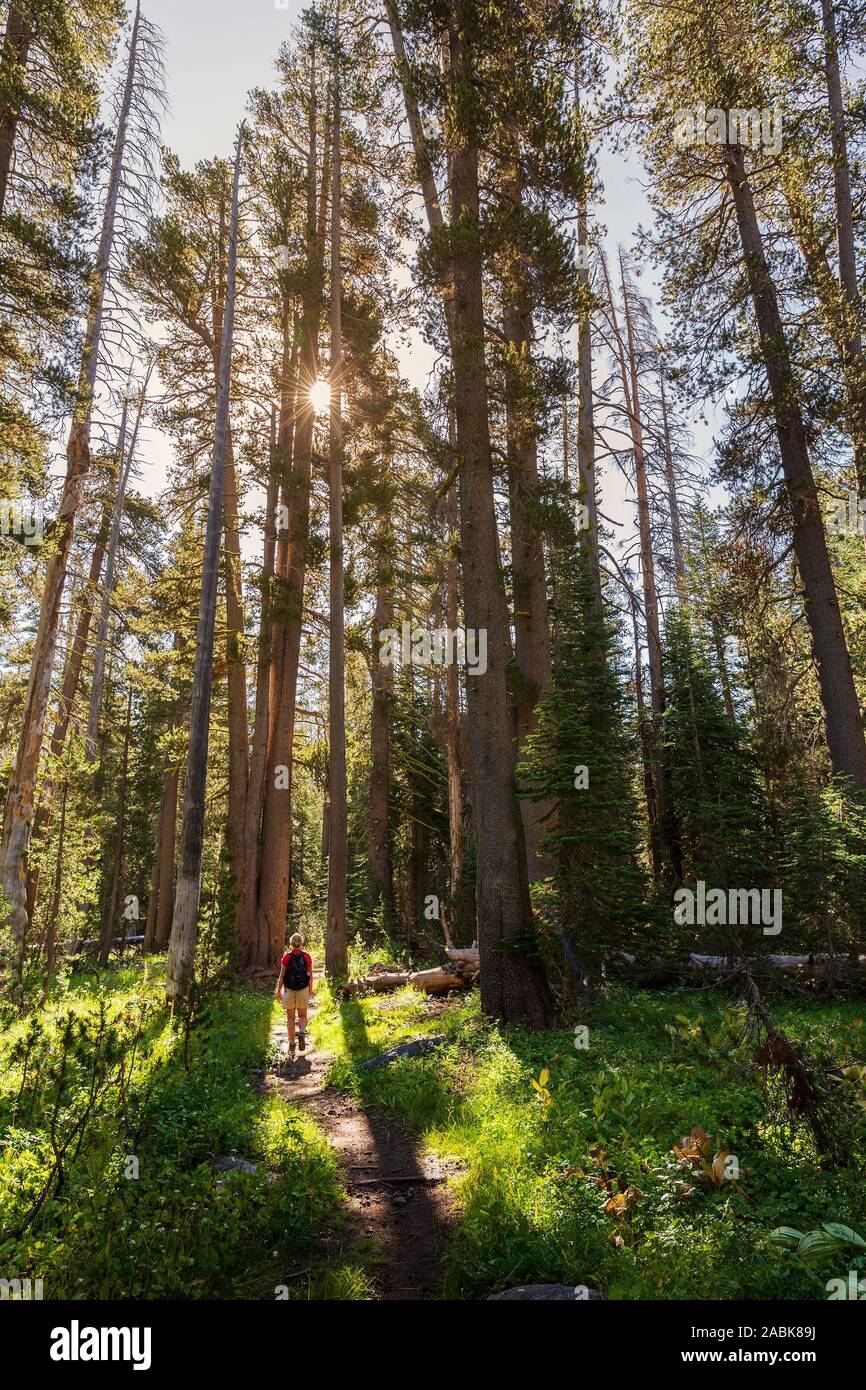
531,1204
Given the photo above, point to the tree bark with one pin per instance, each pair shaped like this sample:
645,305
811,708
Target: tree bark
54,909
336,946
627,357
291,578
843,722
184,927
585,411
111,914
531,630
514,986
381,881
236,670
679,554
166,851
454,723
261,729
108,584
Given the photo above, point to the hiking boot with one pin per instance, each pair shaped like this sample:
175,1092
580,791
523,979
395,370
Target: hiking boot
292,1050
302,1042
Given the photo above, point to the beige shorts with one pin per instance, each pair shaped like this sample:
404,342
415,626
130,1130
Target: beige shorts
296,998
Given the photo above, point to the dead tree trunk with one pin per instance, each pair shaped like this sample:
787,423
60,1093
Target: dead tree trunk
108,584
184,927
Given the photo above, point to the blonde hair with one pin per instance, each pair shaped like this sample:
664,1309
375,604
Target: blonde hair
296,939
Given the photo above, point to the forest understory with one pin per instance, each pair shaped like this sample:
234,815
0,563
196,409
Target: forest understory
214,1167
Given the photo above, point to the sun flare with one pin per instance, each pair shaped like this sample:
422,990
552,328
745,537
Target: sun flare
320,396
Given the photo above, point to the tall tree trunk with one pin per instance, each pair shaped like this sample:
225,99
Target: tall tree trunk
13,63
381,876
184,927
646,752
423,163
18,813
289,593
111,914
531,631
236,670
627,358
677,546
166,851
585,413
843,722
108,584
513,984
454,724
54,908
153,897
336,946
261,728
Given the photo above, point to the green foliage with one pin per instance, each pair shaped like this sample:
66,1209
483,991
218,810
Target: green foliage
598,894
177,1228
719,809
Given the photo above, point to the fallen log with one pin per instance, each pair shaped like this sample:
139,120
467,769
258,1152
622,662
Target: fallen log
377,984
408,1049
468,954
440,979
655,971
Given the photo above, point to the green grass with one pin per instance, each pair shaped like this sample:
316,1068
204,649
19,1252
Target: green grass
540,1168
540,1161
178,1229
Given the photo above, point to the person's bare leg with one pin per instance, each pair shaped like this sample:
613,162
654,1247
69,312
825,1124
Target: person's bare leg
302,1030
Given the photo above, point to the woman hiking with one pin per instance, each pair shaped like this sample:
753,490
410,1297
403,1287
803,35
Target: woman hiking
295,990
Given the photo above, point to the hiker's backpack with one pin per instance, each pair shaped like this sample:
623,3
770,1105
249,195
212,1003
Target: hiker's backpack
296,976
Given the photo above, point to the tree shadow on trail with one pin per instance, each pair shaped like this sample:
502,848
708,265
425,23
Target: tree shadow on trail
398,1199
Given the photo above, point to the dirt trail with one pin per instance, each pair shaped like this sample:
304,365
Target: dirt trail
399,1201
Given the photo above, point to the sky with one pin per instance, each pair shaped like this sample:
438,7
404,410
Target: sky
216,51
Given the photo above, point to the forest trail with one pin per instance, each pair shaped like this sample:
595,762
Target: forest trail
398,1202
